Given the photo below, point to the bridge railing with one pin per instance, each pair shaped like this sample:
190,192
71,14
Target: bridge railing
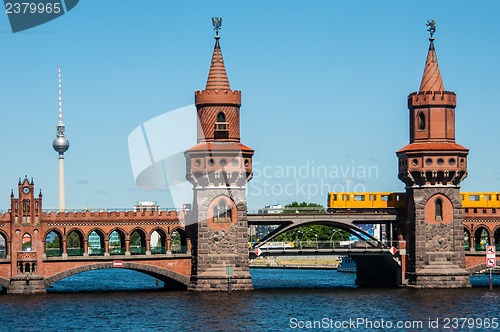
137,250
158,250
318,210
53,252
74,251
102,210
482,247
117,251
303,245
96,251
178,249
311,210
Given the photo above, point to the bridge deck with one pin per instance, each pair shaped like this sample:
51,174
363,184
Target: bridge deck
361,217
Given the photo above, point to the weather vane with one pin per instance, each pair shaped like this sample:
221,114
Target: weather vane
217,23
432,27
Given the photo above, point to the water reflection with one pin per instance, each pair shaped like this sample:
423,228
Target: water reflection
280,295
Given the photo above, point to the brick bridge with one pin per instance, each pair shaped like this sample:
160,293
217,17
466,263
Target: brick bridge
38,248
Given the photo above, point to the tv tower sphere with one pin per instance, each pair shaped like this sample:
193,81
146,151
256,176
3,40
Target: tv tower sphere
61,143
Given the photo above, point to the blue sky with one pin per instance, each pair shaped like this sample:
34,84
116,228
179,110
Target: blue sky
324,87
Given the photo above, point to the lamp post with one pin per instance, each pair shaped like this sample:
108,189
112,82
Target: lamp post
335,231
301,237
316,235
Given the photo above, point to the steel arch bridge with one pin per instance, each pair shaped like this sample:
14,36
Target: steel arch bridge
345,221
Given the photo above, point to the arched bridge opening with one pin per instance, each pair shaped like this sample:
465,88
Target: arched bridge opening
377,262
172,280
348,227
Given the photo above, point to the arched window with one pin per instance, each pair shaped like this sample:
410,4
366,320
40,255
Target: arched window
421,121
221,126
53,245
26,242
221,117
222,211
26,206
439,209
466,239
3,247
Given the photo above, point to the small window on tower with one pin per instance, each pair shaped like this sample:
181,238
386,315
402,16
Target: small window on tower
221,126
222,212
439,209
421,121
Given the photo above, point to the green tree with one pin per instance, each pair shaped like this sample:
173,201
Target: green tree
308,233
304,207
135,239
73,240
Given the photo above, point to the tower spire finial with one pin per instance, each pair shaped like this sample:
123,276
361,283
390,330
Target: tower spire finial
432,28
60,95
217,23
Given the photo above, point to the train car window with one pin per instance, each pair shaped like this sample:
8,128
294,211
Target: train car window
498,197
359,198
334,197
384,198
463,197
474,198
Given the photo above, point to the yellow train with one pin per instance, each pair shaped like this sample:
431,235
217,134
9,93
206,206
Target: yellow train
486,200
345,201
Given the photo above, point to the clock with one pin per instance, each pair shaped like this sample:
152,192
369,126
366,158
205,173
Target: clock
26,190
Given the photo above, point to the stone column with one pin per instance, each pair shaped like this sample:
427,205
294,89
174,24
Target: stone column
148,246
127,247
85,248
106,247
168,243
64,249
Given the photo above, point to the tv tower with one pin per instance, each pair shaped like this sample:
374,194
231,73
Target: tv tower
61,145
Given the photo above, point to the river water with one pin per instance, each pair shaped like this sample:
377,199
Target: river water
118,299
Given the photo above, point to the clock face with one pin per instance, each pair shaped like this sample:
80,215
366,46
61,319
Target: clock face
26,190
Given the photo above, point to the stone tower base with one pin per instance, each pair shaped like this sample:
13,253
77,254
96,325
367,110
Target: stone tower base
441,273
27,284
216,280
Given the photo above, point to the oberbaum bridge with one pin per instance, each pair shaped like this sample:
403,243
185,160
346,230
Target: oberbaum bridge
425,247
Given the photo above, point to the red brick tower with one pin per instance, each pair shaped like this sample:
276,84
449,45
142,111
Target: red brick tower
27,240
219,167
432,167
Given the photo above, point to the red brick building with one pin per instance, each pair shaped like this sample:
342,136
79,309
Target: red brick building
43,247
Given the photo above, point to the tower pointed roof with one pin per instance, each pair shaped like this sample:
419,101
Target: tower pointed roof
431,80
217,76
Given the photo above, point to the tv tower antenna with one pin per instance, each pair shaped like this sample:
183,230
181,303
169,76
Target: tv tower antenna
61,145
